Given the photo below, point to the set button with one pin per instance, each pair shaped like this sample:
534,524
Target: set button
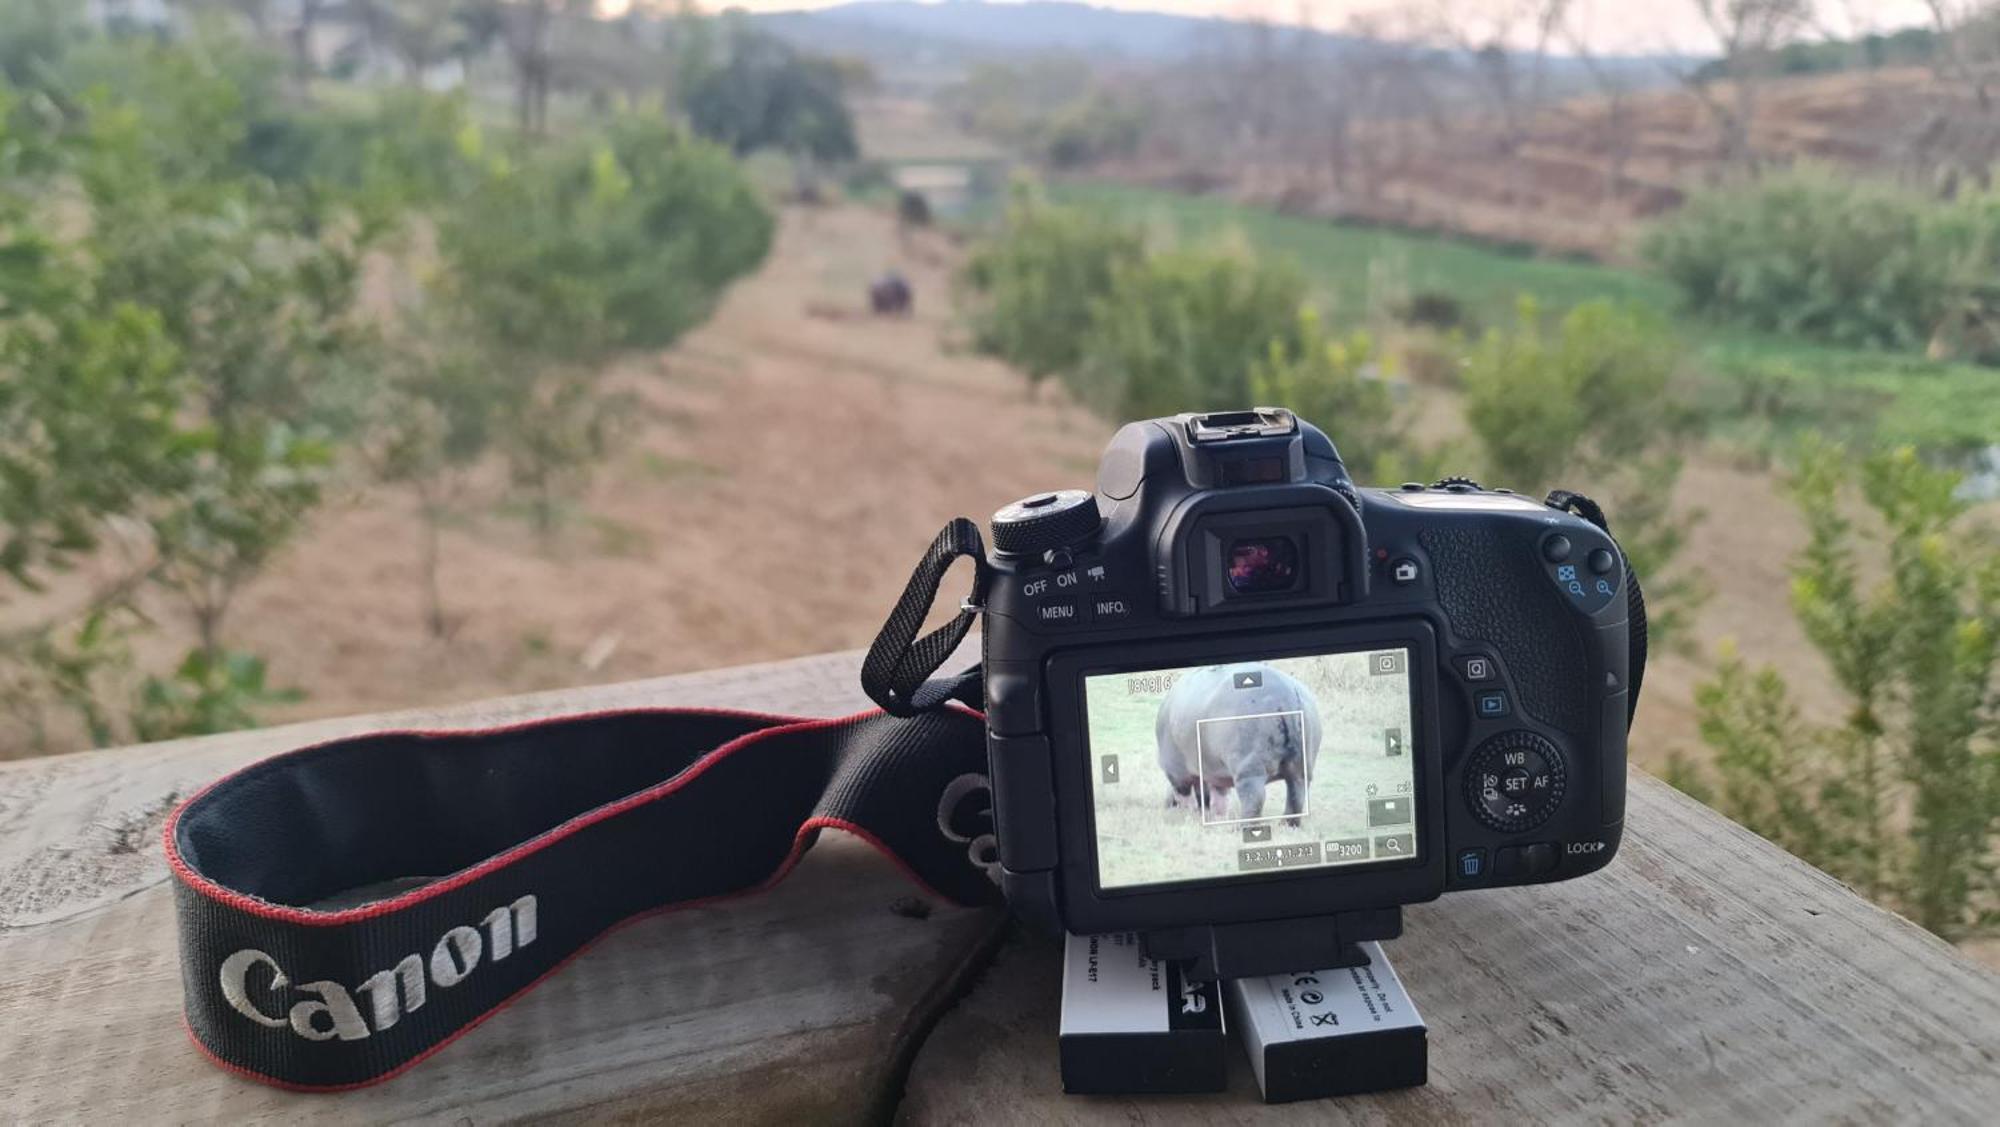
1514,781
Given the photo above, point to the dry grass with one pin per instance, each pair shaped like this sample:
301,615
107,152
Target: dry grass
1591,168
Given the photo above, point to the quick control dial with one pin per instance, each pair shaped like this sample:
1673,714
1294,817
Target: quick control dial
1033,525
1514,781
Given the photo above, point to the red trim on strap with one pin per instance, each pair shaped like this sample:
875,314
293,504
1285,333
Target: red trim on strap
783,870
314,918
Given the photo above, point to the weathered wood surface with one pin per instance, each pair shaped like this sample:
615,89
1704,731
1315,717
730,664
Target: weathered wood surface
799,1005
1704,977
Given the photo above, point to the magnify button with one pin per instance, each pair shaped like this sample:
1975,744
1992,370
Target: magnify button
1396,845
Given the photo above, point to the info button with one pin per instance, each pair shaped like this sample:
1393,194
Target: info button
1108,609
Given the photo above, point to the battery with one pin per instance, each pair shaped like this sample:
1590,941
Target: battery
1133,1025
1332,1032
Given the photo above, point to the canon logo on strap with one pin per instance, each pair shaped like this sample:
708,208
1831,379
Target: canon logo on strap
328,1009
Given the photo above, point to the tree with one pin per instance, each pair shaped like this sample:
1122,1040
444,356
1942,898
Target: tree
253,286
1749,34
1038,281
420,33
523,28
34,37
1595,398
1183,330
1901,796
1338,383
562,260
765,95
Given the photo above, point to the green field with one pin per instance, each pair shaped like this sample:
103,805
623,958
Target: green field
1755,387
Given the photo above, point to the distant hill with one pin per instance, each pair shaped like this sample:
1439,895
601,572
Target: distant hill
976,28
904,32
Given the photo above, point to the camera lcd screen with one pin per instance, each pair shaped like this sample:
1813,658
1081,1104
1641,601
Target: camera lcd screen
1228,771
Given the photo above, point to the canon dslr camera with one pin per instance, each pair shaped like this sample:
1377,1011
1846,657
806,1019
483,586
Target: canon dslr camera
1248,710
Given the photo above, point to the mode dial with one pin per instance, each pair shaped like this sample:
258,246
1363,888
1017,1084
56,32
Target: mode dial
1514,781
1033,525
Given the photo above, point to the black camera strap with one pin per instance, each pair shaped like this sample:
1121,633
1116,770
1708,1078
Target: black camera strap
348,909
896,674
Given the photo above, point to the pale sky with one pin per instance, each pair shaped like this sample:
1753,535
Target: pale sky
1613,25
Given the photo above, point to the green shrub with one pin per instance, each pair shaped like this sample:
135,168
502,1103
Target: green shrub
1336,383
1593,404
1901,796
1181,330
1964,237
620,241
1845,260
1810,253
1036,284
558,261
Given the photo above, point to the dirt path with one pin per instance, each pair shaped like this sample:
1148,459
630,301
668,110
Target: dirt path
791,460
787,471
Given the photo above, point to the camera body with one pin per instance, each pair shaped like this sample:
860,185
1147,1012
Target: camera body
1434,679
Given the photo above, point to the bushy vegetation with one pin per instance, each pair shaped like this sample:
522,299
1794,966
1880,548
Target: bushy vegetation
1593,402
1901,796
1134,330
1056,110
749,90
1756,390
1811,253
187,364
1181,329
1337,381
1036,284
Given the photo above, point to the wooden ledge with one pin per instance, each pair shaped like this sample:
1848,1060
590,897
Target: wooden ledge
1704,976
800,1005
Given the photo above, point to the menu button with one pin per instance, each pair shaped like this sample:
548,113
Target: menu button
1064,612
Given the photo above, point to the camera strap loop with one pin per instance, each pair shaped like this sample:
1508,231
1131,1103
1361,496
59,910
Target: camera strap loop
896,674
1635,597
347,910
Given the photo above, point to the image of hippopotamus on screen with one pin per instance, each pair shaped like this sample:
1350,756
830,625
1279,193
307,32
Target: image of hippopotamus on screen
1235,729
